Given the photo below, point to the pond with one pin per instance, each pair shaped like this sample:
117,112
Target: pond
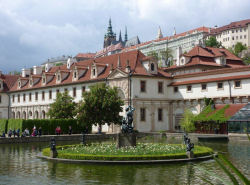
19,165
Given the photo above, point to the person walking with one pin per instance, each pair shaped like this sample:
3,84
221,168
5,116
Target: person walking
10,133
70,130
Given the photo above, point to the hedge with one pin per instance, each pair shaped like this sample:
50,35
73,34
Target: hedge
3,125
205,151
48,125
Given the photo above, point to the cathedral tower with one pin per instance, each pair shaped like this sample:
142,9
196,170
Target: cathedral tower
110,36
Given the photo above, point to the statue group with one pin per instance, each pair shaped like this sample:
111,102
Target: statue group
127,122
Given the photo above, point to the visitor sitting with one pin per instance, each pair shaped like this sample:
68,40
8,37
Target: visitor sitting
10,133
18,132
34,131
58,130
26,132
3,135
14,132
70,130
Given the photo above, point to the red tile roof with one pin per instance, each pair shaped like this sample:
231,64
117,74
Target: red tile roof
8,81
238,24
231,110
85,55
134,58
206,56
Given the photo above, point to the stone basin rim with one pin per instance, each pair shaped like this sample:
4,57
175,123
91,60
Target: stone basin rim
203,158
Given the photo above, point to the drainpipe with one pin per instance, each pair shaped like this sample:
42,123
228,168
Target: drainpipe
8,106
230,91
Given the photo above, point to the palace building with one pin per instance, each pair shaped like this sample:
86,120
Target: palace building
159,95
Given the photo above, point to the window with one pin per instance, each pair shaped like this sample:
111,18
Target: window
143,86
203,87
74,92
13,98
65,90
36,96
143,114
43,80
43,95
83,89
160,114
75,74
152,67
30,97
176,89
233,38
220,85
18,98
58,77
237,84
57,91
50,94
24,97
160,87
93,72
236,31
189,88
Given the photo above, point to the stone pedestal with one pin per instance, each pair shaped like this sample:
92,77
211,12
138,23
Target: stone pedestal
190,154
125,139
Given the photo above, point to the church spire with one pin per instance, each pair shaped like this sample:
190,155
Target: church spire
126,34
110,31
120,37
159,35
174,31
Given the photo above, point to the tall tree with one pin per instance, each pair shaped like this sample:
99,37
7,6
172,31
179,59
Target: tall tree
187,122
212,42
239,47
63,107
100,105
153,54
167,56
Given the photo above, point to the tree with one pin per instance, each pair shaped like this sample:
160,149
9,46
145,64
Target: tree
101,105
239,47
63,107
167,56
212,42
154,55
187,122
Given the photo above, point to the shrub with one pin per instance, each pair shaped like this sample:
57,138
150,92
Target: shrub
3,125
15,124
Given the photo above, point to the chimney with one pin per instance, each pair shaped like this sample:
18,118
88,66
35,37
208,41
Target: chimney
37,70
119,62
47,67
25,72
70,61
127,66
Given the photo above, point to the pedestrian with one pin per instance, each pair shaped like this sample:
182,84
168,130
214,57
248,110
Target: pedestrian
59,130
14,132
70,130
40,131
18,132
10,133
3,135
26,132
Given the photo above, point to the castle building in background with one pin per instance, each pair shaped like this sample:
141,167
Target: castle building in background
184,41
232,33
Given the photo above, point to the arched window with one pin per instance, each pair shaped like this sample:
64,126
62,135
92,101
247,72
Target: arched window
30,115
18,115
24,115
152,66
43,114
36,115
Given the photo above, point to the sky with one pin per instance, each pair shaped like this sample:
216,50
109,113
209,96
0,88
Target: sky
32,31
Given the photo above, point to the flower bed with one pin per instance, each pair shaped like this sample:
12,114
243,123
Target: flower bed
143,151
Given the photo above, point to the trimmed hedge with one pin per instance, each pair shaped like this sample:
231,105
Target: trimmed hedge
48,125
3,125
203,151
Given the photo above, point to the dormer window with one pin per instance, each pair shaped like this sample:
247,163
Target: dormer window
44,80
94,72
58,77
19,84
31,82
75,75
152,66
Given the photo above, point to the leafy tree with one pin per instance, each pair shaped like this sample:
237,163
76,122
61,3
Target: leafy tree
212,42
154,55
167,56
101,105
187,122
63,107
239,47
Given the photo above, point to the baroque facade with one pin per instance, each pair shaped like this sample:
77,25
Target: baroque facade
159,95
